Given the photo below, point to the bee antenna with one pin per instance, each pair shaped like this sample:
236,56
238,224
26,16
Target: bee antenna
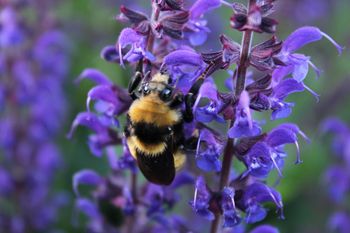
163,69
147,75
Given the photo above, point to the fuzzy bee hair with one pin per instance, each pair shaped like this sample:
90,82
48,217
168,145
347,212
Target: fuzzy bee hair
155,121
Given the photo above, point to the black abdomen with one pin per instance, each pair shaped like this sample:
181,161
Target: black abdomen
158,169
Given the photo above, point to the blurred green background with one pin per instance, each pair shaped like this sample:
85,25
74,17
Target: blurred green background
90,25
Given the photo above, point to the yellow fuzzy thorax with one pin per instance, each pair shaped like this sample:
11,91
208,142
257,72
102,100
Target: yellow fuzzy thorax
161,78
150,109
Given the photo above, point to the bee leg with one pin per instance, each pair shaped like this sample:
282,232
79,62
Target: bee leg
188,113
135,81
177,101
196,86
127,127
179,159
191,143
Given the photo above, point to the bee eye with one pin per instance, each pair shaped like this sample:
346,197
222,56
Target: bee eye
166,94
146,90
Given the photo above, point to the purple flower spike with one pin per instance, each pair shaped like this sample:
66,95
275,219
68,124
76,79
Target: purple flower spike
87,177
231,217
202,196
94,75
6,182
200,7
265,229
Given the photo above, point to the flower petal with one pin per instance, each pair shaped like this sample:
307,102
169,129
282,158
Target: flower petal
200,203
231,217
110,54
94,75
87,177
200,7
86,119
287,87
104,93
280,136
265,229
334,125
88,208
183,57
306,35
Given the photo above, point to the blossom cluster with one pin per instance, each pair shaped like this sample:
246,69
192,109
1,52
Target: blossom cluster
33,65
337,176
261,78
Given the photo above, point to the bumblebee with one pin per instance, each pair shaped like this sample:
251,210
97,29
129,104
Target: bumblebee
154,127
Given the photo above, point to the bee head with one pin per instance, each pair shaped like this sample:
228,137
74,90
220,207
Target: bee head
157,90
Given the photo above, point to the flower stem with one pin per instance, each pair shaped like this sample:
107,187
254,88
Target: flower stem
240,85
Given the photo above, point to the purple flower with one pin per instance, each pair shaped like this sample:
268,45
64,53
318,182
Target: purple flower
11,34
280,108
196,28
269,153
30,121
209,112
103,136
256,194
231,217
338,180
201,199
130,37
184,65
340,222
124,161
340,142
265,229
244,126
209,148
298,64
87,177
